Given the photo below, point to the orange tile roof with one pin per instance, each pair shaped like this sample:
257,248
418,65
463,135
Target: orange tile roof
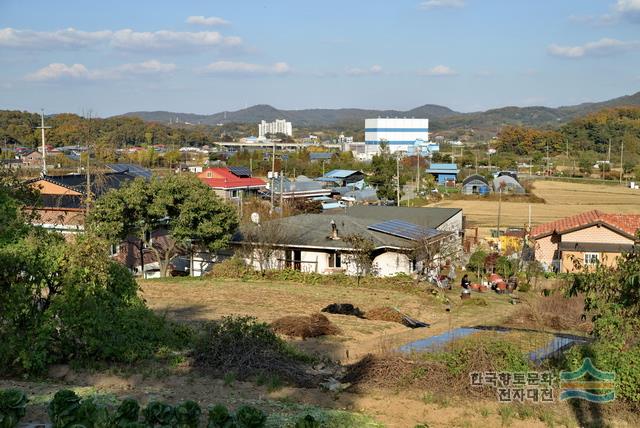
627,223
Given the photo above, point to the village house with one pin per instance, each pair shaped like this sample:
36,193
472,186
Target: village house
341,177
301,188
63,198
589,238
444,173
320,242
232,182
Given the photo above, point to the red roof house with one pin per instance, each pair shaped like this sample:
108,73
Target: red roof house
591,237
229,182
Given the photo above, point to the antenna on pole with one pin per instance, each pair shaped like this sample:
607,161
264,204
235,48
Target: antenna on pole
44,147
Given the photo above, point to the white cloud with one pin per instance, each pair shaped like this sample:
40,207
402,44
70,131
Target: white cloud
232,68
629,9
601,47
126,39
68,38
59,71
170,40
433,4
210,21
374,69
439,70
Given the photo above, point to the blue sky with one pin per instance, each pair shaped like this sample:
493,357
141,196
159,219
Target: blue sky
207,56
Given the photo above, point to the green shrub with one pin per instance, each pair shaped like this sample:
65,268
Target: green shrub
612,357
159,414
69,302
307,421
187,414
219,417
63,409
244,417
476,261
127,412
13,404
250,417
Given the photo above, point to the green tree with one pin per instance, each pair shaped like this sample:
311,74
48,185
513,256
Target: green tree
187,210
383,177
361,255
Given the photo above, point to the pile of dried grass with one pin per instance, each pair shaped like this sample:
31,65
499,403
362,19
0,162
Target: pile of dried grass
393,371
305,326
555,312
385,313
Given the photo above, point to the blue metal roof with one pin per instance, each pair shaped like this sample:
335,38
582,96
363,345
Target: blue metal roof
446,166
443,168
320,156
340,173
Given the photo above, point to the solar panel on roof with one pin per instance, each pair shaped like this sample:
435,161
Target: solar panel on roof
135,170
405,230
240,171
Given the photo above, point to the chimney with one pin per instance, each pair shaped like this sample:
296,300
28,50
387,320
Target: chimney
334,231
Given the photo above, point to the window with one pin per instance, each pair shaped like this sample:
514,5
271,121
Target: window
209,174
234,193
335,260
591,259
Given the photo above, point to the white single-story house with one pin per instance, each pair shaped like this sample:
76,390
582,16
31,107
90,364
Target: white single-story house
321,242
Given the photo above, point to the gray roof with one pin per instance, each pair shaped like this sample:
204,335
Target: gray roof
298,186
475,177
313,230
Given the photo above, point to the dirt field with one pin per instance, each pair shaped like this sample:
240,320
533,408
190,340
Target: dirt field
193,300
561,199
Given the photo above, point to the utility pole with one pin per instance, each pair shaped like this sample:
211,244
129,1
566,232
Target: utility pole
476,161
621,162
548,172
418,176
273,172
281,194
44,147
398,178
499,211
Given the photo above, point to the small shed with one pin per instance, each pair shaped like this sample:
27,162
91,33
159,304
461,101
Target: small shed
475,185
444,172
507,184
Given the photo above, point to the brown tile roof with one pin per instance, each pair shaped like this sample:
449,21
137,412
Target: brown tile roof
627,223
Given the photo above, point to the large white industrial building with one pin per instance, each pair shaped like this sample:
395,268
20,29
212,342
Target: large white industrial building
279,126
399,134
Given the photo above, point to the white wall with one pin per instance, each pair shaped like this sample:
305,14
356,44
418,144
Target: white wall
391,263
399,133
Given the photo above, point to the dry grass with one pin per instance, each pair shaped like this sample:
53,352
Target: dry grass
562,199
314,325
555,312
385,313
194,300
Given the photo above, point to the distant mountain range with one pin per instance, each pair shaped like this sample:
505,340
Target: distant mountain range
442,118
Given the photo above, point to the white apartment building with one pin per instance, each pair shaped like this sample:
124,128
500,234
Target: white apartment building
398,133
279,126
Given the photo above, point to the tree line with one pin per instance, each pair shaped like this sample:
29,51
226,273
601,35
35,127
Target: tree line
592,133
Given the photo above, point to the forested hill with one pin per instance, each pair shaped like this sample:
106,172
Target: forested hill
442,118
300,118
